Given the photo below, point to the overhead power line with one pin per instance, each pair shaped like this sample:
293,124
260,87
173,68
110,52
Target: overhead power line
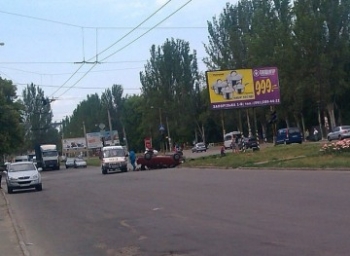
125,46
109,48
91,27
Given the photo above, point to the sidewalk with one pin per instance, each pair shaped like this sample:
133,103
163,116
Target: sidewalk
9,238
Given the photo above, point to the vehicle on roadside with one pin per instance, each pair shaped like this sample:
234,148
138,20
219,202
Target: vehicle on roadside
79,163
249,143
113,158
199,147
228,138
339,133
69,162
289,135
24,158
23,175
47,156
152,161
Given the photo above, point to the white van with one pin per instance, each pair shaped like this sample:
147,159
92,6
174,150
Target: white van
114,158
228,138
24,158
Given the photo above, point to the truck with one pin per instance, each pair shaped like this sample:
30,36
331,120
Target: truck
47,156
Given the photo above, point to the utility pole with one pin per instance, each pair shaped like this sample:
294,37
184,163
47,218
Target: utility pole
86,145
110,126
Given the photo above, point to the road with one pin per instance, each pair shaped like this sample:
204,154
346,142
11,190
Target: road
186,212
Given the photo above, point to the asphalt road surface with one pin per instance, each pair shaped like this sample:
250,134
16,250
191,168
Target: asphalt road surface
186,212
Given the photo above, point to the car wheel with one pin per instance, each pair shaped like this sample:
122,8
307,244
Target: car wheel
104,171
67,167
143,167
176,157
148,156
9,190
39,187
125,169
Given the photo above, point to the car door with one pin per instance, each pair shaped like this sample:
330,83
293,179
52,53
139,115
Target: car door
335,133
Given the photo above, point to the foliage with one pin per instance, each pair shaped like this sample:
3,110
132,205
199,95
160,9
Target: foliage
37,118
11,129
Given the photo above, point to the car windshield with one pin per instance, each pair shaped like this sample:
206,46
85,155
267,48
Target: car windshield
70,159
79,160
21,167
50,153
113,153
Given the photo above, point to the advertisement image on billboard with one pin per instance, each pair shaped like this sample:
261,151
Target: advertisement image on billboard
241,88
73,143
94,138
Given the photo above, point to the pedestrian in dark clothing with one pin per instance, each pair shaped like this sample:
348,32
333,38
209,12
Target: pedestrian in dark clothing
132,157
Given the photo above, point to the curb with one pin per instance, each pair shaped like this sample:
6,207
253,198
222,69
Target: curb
15,226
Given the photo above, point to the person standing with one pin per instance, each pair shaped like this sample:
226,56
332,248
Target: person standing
315,134
132,157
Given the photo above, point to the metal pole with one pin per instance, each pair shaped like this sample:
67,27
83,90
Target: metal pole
86,145
110,126
167,128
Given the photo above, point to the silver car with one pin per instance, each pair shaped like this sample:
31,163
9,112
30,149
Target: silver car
199,147
23,175
339,133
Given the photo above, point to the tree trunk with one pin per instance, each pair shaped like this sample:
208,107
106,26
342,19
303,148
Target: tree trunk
248,122
203,134
240,121
330,110
303,125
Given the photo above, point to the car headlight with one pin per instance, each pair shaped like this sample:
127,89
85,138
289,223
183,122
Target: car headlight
12,178
35,176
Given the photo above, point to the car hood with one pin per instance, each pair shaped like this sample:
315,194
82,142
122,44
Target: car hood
20,174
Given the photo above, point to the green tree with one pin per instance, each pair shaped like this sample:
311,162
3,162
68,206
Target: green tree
167,88
11,129
37,118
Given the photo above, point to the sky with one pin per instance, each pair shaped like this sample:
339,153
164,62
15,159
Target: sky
55,44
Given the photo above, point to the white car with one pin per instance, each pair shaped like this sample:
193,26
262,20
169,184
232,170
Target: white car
339,133
23,175
78,162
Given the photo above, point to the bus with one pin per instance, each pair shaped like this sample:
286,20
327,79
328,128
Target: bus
228,138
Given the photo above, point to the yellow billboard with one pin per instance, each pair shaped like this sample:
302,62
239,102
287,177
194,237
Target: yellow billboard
243,87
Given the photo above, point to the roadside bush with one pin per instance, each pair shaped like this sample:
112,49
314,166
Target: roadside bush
336,147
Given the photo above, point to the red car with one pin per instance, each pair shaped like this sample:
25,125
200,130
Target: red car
152,161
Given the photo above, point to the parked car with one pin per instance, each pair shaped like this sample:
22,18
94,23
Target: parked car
70,162
289,135
339,133
249,143
199,147
23,175
79,162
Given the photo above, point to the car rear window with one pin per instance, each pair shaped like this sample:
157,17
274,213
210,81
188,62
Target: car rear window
294,130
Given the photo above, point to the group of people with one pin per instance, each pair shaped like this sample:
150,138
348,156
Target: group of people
235,144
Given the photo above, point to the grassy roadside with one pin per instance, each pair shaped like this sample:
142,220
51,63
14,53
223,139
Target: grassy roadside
307,155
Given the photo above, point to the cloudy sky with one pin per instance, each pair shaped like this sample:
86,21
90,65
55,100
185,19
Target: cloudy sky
46,42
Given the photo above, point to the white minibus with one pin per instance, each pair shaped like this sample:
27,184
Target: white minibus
228,138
